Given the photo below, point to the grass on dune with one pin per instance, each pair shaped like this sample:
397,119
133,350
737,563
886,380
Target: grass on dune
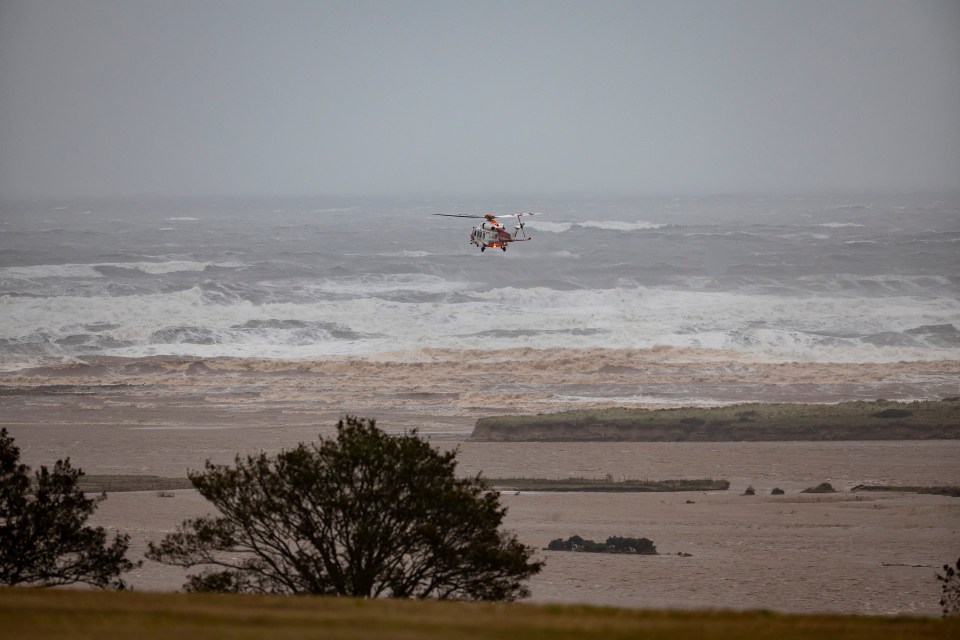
41,613
879,420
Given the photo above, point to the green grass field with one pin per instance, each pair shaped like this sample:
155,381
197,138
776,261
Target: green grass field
28,614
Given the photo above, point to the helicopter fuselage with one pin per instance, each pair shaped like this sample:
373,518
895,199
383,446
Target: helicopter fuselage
490,234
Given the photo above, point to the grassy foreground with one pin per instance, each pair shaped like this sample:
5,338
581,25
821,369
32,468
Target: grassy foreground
29,614
879,420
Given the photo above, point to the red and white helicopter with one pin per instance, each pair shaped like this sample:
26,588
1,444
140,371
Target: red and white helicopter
491,233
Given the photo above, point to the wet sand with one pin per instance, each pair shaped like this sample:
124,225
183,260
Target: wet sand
845,552
861,553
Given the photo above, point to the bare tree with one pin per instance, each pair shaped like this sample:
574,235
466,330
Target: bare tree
365,514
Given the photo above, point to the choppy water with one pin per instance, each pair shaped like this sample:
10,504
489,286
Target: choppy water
866,278
861,553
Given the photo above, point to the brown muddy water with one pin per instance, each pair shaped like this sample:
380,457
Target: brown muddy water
845,552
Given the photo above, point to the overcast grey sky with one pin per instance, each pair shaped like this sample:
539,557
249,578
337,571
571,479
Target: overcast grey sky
129,97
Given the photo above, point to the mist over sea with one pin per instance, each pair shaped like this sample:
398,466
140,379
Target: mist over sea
829,278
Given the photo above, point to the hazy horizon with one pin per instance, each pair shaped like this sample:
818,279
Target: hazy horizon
109,98
505,200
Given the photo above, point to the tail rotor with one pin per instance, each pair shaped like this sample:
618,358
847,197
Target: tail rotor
519,229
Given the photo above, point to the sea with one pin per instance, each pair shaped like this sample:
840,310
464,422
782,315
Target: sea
825,278
393,313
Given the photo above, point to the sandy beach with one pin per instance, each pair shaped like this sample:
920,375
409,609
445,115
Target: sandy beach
850,552
172,410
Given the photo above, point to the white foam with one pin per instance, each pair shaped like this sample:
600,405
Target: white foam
171,266
551,227
617,225
40,271
183,219
636,399
407,254
902,284
376,284
773,328
607,225
839,225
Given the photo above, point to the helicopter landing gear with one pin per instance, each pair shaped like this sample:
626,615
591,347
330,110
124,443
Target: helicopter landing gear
504,247
482,249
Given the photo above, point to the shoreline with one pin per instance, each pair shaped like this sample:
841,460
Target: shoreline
164,416
169,413
472,383
181,411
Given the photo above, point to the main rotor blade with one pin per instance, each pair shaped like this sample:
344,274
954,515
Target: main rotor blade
519,215
488,215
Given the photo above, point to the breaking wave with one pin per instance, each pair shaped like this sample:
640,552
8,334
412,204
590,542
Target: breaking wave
616,225
552,227
779,280
839,225
606,225
41,271
198,323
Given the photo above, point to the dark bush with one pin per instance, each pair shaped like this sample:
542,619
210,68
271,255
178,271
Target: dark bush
645,546
573,543
366,514
950,592
614,544
823,487
45,540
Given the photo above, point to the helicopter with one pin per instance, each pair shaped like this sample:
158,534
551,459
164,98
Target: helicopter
491,233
